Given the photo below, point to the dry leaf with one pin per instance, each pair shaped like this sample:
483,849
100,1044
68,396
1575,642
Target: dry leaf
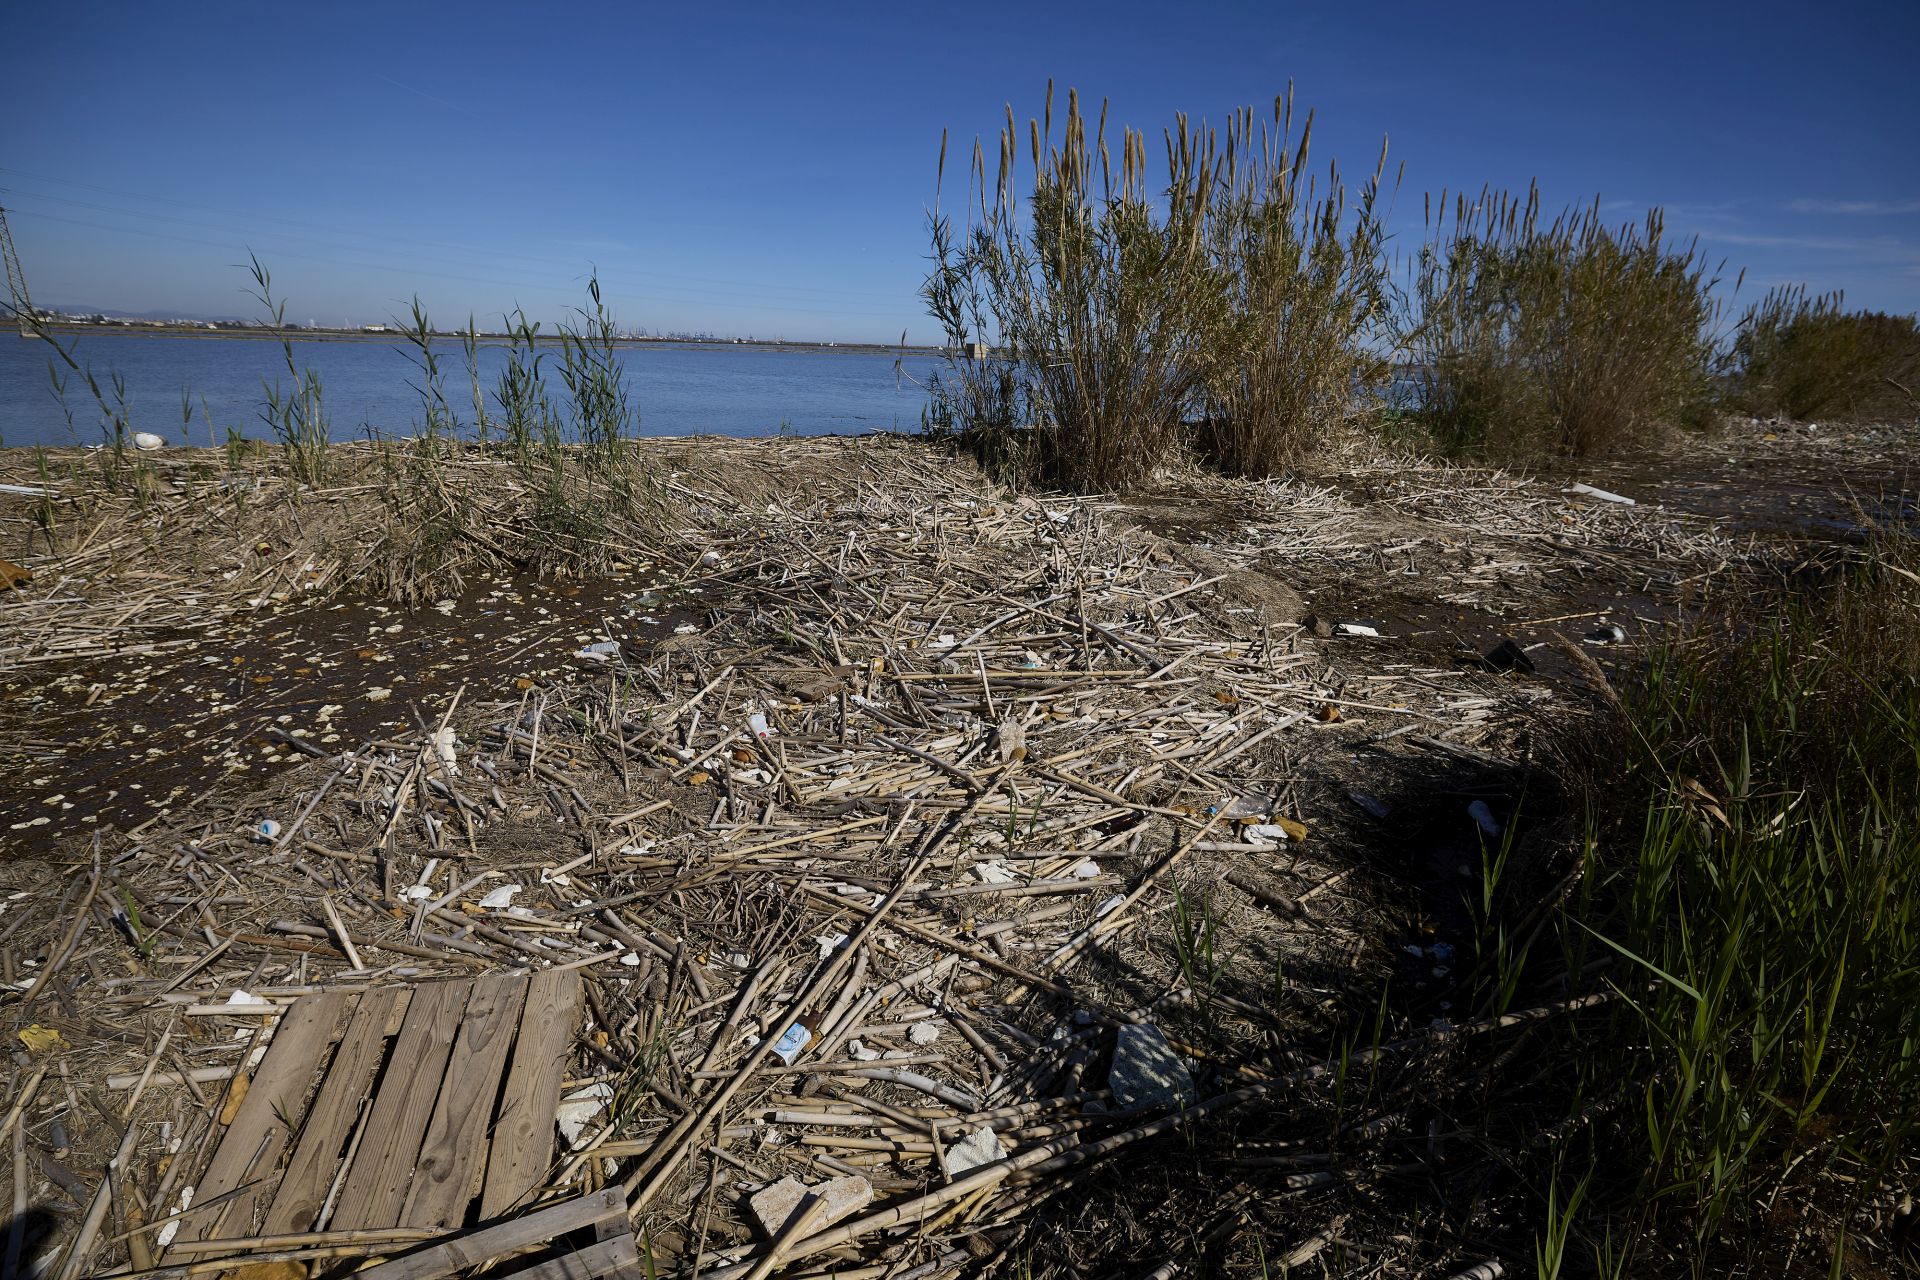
235,1096
39,1039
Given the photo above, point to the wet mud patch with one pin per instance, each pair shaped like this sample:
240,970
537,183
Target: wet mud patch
115,741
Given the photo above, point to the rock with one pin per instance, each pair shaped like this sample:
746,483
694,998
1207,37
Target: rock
982,1146
924,1032
1146,1072
1509,656
774,1206
1609,634
1318,625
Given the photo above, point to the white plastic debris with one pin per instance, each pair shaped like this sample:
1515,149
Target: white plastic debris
417,893
267,830
1264,832
685,629
500,899
631,959
982,1146
1600,495
1109,906
599,651
859,1052
443,745
992,872
758,723
147,441
1357,629
242,996
167,1232
709,559
1085,869
830,943
379,695
577,1109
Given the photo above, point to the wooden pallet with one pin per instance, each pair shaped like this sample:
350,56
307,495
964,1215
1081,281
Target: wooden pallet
425,1107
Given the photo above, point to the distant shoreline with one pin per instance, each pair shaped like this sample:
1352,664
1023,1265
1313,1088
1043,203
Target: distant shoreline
157,329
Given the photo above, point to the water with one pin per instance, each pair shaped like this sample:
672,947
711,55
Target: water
678,389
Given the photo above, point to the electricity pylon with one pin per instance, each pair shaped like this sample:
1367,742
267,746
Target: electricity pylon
16,279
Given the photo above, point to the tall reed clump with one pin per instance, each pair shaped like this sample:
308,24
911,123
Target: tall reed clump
1308,321
1532,338
1764,920
296,414
1094,294
580,491
1798,355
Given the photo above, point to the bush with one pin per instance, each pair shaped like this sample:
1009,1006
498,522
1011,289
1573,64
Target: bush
1799,356
1306,299
1094,299
1240,307
1571,339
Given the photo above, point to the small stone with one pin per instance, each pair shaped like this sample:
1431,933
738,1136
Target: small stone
1147,1072
774,1206
982,1146
924,1032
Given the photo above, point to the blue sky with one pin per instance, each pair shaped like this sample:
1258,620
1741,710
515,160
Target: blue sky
766,169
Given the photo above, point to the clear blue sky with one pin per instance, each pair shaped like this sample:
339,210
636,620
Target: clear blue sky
765,169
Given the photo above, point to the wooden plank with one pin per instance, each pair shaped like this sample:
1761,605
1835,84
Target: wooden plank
276,1098
615,1257
376,1186
453,1155
523,1132
476,1247
330,1122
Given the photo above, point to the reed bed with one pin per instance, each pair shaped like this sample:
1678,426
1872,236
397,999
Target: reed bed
1802,356
1532,338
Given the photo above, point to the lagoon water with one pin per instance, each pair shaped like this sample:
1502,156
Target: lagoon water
678,389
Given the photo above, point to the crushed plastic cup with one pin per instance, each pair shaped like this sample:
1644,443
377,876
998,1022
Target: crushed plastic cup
599,651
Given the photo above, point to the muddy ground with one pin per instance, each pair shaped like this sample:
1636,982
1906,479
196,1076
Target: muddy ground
151,720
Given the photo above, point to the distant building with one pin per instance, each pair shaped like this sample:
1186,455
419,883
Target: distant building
976,350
